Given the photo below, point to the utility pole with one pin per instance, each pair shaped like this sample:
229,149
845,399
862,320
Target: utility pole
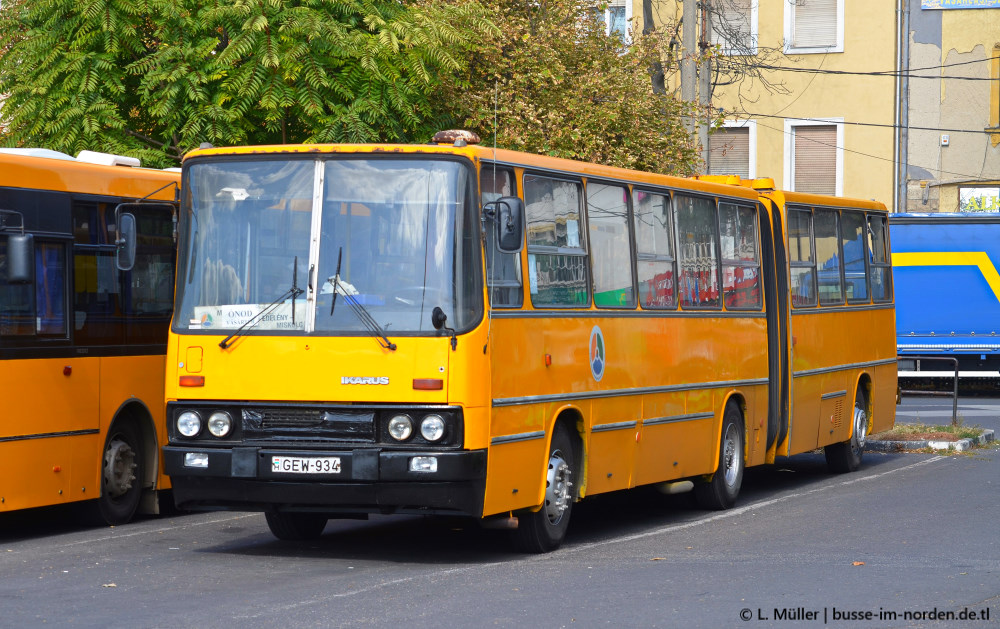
696,78
705,81
689,43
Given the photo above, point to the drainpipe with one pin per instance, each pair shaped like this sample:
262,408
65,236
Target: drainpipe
904,109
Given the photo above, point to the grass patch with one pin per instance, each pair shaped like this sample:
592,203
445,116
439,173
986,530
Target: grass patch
926,432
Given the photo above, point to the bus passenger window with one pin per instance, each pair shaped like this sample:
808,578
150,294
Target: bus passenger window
800,256
50,289
853,243
698,252
740,268
607,216
654,250
879,267
503,270
831,290
557,257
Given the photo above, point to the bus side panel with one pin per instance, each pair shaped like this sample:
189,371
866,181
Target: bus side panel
884,402
828,349
44,396
662,446
50,416
43,472
611,451
514,469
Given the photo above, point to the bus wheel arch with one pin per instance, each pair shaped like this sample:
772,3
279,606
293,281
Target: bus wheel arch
128,463
845,456
720,490
544,529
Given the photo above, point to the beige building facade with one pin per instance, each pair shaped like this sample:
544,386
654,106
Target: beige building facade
951,132
832,96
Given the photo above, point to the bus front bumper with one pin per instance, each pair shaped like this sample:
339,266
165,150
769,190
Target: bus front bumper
368,480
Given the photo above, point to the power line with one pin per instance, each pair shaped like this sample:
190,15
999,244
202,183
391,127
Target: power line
867,124
888,73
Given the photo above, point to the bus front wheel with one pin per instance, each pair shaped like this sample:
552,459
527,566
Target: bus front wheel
846,456
296,526
122,471
721,492
544,530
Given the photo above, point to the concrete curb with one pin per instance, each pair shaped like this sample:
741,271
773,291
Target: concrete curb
901,446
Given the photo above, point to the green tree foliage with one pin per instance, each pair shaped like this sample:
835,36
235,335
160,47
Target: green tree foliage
550,80
155,78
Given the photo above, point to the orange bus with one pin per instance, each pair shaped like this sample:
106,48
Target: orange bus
455,329
82,343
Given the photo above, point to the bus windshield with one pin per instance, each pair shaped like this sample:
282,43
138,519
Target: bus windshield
383,239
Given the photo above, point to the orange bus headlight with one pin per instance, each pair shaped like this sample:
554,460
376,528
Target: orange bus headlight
189,424
400,427
220,424
432,428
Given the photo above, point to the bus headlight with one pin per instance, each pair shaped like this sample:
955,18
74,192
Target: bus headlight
189,424
220,424
401,427
432,428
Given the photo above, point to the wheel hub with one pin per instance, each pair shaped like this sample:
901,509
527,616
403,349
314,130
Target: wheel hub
730,460
558,482
860,426
119,468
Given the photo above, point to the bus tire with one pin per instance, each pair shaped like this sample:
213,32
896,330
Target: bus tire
544,530
295,527
721,491
845,456
122,470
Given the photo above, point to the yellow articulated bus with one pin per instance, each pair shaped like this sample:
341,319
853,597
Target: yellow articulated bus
455,329
82,342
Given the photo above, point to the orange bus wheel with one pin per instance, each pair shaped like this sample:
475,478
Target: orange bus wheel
846,456
721,492
122,472
544,530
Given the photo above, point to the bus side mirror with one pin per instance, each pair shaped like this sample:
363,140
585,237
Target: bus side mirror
20,258
125,242
508,214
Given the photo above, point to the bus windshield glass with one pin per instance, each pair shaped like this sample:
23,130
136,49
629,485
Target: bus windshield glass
382,239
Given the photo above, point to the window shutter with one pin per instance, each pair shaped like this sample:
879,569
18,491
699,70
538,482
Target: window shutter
731,27
815,155
729,152
814,23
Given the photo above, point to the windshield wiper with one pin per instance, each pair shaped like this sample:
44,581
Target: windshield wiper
294,291
348,291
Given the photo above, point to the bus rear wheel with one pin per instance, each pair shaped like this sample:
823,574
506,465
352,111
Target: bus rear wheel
845,456
544,530
721,492
122,471
296,526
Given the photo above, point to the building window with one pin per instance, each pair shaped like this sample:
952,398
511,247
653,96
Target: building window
616,15
732,149
814,159
734,26
814,26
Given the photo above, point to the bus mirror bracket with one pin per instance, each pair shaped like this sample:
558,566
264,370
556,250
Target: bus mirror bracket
20,250
508,214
